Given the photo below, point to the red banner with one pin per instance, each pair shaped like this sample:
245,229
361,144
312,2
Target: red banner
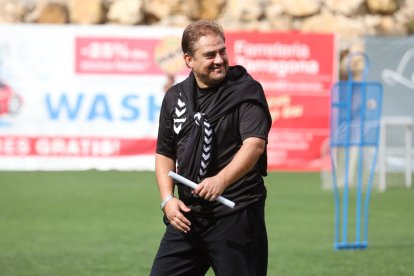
296,71
65,146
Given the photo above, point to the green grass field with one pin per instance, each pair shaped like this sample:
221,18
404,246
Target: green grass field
109,223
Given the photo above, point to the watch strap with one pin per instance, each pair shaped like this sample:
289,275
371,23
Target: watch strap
164,202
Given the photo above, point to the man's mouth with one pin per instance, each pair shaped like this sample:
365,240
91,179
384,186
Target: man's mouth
217,69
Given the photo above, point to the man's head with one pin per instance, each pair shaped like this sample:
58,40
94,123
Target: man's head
203,45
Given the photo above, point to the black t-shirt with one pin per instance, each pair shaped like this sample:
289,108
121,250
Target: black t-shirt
246,120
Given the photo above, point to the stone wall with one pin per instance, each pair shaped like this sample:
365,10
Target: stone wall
349,19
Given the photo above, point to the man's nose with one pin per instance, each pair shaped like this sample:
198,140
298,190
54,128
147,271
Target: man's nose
218,58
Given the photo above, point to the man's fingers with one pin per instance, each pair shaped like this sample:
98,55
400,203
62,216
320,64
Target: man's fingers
208,195
184,220
199,189
184,207
203,192
206,191
175,216
181,223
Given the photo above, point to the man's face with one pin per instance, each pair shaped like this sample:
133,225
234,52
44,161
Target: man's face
209,61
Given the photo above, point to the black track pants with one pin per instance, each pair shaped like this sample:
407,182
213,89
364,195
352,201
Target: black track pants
232,245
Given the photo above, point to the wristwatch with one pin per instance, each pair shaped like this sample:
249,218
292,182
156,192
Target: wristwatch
162,205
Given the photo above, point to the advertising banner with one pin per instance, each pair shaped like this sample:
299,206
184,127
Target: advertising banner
296,71
78,97
88,97
392,64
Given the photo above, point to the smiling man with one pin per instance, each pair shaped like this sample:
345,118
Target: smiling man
213,130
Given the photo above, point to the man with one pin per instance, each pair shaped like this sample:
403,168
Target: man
213,130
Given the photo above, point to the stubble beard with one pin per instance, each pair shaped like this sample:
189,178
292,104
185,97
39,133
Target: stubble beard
218,74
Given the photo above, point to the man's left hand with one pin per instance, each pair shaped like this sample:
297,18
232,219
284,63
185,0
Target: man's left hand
210,188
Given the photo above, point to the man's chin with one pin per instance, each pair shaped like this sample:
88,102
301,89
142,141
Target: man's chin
219,76
216,81
221,70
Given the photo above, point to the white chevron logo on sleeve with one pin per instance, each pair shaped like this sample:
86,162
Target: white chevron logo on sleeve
180,120
180,103
180,110
206,156
177,129
180,113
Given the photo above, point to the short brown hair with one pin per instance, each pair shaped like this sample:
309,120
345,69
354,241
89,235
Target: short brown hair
197,29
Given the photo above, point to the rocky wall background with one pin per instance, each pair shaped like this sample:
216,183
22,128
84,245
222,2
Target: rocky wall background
351,20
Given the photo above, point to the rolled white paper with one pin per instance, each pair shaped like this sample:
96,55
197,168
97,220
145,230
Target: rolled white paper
193,185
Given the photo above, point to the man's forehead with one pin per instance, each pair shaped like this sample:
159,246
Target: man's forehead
210,44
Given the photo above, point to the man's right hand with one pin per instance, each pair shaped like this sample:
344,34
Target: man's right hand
173,211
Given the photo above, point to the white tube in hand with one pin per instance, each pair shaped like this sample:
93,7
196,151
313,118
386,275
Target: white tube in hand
193,185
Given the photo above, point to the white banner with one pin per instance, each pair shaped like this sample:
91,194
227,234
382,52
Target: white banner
83,97
392,64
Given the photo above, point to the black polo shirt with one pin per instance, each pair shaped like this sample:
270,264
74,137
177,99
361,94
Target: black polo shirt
248,119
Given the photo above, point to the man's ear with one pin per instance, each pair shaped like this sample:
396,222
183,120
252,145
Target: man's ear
188,59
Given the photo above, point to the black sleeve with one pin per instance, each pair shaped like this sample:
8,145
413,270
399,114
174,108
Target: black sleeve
253,121
166,141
